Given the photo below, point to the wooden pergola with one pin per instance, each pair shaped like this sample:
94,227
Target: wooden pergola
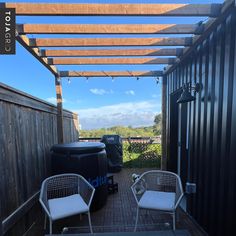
168,56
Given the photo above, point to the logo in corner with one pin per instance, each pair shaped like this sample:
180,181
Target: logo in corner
7,31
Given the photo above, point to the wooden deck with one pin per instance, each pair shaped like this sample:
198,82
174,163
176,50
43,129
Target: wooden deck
118,215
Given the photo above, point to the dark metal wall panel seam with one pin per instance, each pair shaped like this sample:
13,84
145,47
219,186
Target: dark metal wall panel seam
219,124
205,163
232,172
228,209
226,123
198,105
192,134
211,101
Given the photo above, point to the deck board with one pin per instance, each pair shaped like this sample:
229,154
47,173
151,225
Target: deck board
118,215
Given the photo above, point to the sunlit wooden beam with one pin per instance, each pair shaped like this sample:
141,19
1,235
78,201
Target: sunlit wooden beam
109,61
109,29
110,73
73,9
24,41
112,52
109,42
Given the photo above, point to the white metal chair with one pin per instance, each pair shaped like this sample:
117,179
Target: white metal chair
66,195
158,190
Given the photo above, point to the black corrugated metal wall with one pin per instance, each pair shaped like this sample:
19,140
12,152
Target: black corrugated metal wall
212,157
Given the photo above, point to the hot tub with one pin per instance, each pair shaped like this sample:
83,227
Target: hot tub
87,159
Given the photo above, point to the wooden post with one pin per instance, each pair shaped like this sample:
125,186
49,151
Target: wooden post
59,110
163,132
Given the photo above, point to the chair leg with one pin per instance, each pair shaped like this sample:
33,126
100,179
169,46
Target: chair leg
90,225
50,230
136,221
174,221
177,214
45,221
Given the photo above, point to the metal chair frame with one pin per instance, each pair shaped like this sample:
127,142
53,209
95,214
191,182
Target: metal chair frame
65,185
165,181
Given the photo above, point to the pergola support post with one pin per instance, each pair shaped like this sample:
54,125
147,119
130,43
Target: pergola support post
60,133
163,126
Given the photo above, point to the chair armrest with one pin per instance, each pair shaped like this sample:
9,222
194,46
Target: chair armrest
43,199
179,192
179,200
86,190
138,189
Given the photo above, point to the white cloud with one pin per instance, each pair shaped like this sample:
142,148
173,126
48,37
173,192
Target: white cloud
130,113
156,95
54,100
100,91
130,92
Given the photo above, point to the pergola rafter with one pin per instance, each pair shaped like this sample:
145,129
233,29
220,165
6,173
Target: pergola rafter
110,61
110,28
74,9
24,41
122,56
109,42
112,52
110,74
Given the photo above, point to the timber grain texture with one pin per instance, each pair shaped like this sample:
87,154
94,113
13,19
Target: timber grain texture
28,129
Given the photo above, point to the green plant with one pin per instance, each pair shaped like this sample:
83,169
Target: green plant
150,156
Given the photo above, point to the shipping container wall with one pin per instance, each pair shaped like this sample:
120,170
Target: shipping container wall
201,135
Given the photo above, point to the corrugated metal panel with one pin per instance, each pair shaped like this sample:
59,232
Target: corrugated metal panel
212,156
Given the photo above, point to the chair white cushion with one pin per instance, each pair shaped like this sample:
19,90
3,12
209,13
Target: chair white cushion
158,200
67,206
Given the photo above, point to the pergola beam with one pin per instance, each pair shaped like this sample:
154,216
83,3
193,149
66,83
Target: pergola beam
24,41
110,61
227,7
110,28
112,52
56,9
109,42
110,73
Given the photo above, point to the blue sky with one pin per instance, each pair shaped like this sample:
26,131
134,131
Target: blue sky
100,102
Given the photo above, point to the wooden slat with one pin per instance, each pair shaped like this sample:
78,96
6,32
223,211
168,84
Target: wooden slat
109,29
24,41
25,160
229,5
94,42
109,61
110,73
19,212
112,52
17,97
55,9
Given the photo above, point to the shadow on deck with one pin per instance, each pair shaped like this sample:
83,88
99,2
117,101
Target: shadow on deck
118,215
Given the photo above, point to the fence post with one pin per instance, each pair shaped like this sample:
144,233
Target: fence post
60,133
163,126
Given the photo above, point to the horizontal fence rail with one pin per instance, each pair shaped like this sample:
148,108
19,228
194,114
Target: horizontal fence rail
28,129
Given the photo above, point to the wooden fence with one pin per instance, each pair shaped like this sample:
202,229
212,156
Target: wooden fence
28,128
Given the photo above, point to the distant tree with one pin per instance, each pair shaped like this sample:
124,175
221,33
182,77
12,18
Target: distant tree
157,119
157,125
120,130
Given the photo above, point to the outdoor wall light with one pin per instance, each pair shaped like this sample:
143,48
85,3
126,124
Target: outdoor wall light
186,95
